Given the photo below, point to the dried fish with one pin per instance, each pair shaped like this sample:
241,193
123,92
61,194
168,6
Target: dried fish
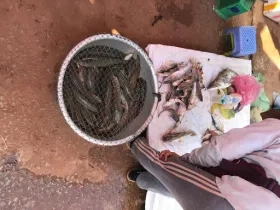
167,73
199,91
217,121
187,84
223,80
191,102
178,74
177,135
167,66
171,102
177,82
181,111
173,112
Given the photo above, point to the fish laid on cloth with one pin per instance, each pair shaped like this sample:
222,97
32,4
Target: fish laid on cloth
177,135
106,91
223,80
186,81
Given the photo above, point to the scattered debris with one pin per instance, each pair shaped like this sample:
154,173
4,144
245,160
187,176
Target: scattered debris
11,160
4,141
156,19
115,32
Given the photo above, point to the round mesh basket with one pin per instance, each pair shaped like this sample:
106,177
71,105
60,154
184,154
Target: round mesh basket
107,89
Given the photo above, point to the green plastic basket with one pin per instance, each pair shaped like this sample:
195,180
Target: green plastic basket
229,8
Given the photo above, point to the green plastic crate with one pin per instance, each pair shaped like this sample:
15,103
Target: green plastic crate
229,8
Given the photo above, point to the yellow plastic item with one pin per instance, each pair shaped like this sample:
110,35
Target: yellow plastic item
272,10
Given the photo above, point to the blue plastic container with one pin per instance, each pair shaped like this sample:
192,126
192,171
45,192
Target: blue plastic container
243,40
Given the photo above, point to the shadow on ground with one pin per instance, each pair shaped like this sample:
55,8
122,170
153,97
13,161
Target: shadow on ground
267,59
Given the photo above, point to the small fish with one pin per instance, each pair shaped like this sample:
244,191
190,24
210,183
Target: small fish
187,84
126,111
82,74
105,76
90,80
74,76
124,83
169,95
199,91
85,103
173,112
134,76
79,83
191,102
107,100
79,116
138,98
217,122
186,97
128,56
166,73
181,111
200,78
223,80
167,66
92,76
99,62
141,88
107,128
117,92
178,74
118,116
177,82
89,117
177,135
238,108
171,102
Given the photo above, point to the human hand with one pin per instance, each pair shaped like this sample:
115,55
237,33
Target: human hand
165,154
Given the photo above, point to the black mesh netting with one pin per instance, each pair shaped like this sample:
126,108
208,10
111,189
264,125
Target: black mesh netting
102,90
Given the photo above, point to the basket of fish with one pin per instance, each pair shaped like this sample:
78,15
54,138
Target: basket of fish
107,89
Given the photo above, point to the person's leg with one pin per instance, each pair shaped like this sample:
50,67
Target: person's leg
146,181
192,187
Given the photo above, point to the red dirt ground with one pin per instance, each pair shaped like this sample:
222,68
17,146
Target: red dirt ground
35,38
36,35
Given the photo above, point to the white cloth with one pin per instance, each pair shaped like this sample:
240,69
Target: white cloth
240,193
198,119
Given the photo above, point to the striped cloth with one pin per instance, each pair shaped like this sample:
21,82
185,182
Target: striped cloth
191,186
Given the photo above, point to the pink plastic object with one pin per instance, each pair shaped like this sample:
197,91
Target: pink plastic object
248,87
